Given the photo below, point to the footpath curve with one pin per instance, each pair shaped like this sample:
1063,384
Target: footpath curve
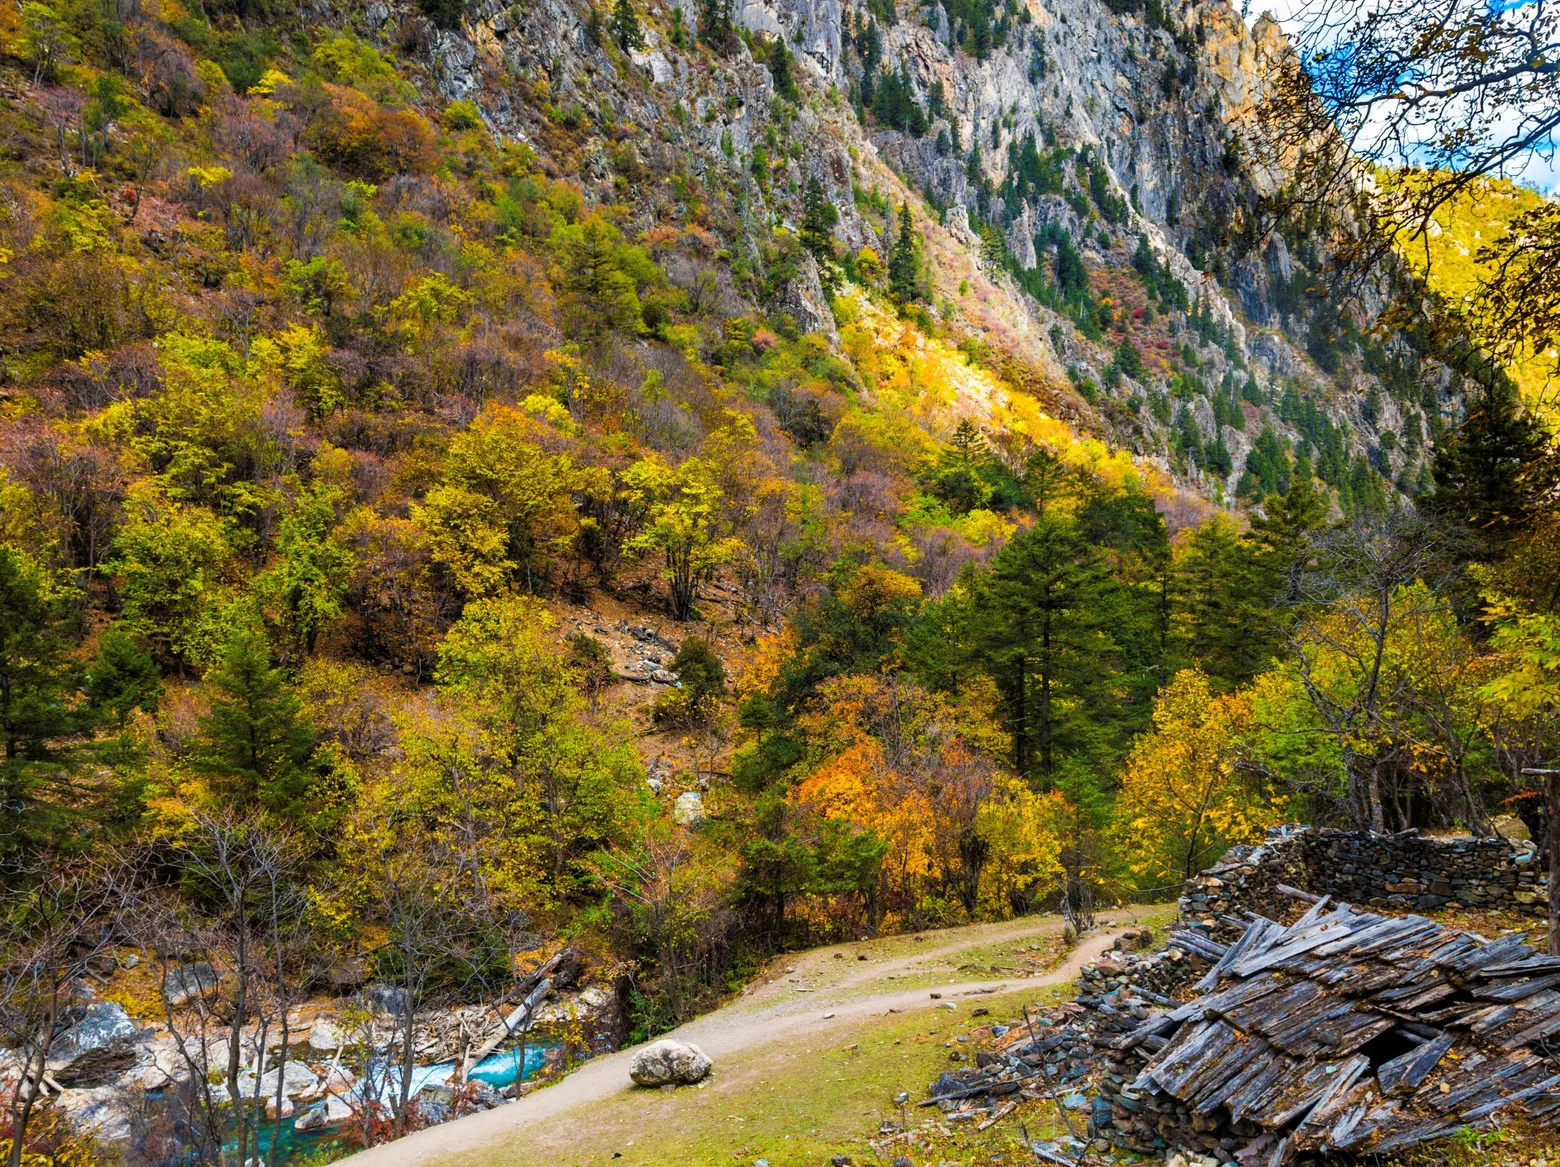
766,1013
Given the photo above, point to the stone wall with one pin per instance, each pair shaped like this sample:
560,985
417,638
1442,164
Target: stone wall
1403,872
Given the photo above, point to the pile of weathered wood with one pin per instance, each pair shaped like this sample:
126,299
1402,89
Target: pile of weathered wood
1039,1056
1342,1032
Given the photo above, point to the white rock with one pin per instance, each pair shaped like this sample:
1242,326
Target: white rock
328,1113
669,1063
103,1112
689,809
325,1035
105,1025
190,980
296,1079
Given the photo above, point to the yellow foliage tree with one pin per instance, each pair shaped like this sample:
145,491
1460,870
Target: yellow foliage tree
505,505
1182,798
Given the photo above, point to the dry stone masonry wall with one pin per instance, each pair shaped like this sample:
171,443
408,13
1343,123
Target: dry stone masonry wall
1406,871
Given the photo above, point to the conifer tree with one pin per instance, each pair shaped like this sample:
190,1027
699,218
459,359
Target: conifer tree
780,68
819,215
1484,471
123,678
625,26
715,28
904,275
34,673
1038,632
257,740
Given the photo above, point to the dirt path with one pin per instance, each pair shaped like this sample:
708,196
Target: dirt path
788,1004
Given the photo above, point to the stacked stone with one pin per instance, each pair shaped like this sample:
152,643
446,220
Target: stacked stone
1411,872
1152,1123
1245,879
1163,973
1405,872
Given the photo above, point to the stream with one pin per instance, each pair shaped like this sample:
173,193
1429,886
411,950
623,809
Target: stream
498,1070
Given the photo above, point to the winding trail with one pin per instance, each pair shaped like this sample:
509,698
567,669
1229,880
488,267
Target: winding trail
791,1004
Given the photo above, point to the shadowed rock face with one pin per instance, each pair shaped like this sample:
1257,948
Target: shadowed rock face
669,1063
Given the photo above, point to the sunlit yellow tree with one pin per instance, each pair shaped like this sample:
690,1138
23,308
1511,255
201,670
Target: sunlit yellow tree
685,512
1183,800
505,507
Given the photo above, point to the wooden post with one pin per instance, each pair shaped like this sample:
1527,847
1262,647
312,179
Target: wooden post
1552,810
1552,794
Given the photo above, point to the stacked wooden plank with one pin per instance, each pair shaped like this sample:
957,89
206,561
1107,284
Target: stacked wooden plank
1343,1032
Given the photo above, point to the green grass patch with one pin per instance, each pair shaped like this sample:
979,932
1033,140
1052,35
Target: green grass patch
798,1104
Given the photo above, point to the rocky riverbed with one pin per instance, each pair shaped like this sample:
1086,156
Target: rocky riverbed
107,1070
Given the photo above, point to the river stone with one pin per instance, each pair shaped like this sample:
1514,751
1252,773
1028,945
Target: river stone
669,1063
98,1049
296,1079
325,1035
187,981
102,1112
327,1113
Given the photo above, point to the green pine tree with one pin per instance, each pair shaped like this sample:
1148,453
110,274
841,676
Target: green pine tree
715,27
35,675
819,215
780,68
624,26
257,741
904,261
123,678
1485,478
1039,634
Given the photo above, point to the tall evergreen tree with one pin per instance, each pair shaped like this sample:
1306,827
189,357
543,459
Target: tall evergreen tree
715,27
1038,633
1485,470
1225,605
123,678
35,675
625,26
779,61
819,215
904,262
257,739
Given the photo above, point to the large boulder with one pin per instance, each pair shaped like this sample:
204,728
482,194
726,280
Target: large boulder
98,1049
688,811
100,1111
189,981
295,1079
669,1063
325,1035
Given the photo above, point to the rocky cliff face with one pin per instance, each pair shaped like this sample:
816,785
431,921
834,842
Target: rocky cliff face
1073,127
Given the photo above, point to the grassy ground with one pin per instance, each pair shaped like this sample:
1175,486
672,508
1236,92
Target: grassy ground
797,1105
800,1104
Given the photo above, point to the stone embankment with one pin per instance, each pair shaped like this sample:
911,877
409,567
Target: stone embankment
1401,872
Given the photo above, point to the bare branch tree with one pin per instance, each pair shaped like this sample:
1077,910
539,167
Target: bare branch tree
232,944
58,922
1441,96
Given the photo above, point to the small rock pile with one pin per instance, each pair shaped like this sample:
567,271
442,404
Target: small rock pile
1156,975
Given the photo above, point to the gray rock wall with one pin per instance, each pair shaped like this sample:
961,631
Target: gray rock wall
1407,872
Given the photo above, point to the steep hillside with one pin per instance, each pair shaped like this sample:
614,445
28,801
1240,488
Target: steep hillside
1450,258
1085,167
